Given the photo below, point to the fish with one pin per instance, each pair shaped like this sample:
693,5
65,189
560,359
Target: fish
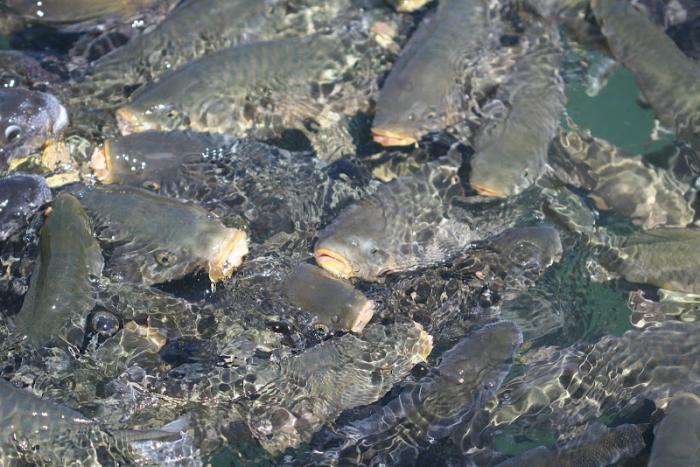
424,89
154,239
269,189
21,196
663,257
42,431
76,11
650,196
597,446
510,149
335,304
155,159
667,78
29,121
450,299
430,409
253,90
564,389
192,30
677,435
63,283
404,225
315,386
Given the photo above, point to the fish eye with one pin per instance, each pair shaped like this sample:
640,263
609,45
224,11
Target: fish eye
322,328
165,258
374,250
151,185
104,323
12,132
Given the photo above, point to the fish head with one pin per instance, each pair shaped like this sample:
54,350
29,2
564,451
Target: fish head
143,159
357,244
213,248
498,179
29,121
395,124
134,118
529,247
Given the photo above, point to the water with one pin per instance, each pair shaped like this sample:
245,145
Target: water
247,321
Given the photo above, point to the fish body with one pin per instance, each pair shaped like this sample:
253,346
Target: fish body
314,387
20,197
667,78
565,389
511,147
62,286
431,408
598,446
154,239
629,185
661,257
44,432
75,11
29,120
254,90
335,304
677,435
193,29
423,91
269,189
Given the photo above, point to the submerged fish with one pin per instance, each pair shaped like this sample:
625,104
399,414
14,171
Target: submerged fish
44,432
511,147
597,446
75,11
154,239
668,79
677,435
661,257
314,387
424,90
156,160
269,189
431,408
252,90
62,287
629,185
334,303
404,225
565,389
29,120
20,197
193,29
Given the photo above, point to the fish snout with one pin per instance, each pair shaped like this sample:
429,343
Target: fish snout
333,262
230,256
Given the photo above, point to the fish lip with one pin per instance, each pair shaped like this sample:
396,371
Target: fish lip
392,138
230,256
363,317
101,163
333,262
487,191
128,121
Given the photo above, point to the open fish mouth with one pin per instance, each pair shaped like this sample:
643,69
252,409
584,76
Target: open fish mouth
230,258
390,138
333,262
489,191
363,317
101,164
129,122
